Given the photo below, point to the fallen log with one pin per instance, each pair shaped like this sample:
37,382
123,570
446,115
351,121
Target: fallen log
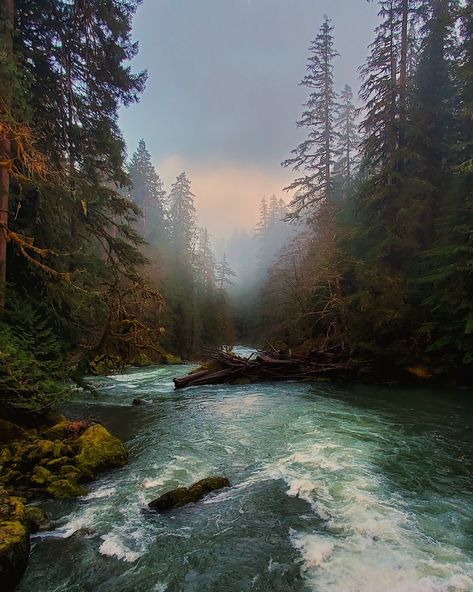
227,368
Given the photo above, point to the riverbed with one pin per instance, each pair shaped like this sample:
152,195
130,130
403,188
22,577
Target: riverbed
335,488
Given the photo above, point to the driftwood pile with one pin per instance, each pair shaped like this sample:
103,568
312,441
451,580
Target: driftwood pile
224,367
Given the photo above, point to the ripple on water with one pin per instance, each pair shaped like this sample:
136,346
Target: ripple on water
320,500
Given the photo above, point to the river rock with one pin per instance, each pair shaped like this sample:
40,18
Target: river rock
99,451
186,495
14,541
138,401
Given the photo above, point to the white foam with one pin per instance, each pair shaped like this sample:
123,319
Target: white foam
113,546
314,549
100,493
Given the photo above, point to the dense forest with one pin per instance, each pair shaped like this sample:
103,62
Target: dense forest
383,265
102,266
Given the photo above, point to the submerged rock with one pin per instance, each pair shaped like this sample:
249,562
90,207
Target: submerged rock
138,401
186,495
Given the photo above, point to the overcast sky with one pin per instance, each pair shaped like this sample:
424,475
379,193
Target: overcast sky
223,92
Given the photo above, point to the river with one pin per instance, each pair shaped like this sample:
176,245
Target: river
335,488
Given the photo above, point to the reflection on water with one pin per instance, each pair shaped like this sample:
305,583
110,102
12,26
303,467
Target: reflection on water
335,489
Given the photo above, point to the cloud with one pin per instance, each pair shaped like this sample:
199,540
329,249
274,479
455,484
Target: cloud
228,195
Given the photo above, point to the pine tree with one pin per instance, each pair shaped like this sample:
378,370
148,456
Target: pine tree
223,274
181,213
148,193
347,139
315,156
205,261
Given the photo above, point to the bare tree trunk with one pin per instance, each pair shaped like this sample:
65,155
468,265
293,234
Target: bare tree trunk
7,17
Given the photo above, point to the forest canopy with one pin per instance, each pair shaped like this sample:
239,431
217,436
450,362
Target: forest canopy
102,265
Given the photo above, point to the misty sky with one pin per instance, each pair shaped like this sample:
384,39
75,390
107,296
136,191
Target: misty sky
223,92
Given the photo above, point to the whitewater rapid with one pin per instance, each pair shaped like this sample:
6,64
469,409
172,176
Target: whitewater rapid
334,489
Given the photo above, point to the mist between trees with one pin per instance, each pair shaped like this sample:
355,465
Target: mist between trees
102,266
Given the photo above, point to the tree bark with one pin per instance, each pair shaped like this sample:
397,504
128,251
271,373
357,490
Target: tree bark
7,17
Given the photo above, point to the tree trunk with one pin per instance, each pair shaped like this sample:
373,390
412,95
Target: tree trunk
7,17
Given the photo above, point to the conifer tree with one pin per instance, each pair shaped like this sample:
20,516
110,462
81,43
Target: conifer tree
314,157
148,193
181,213
223,274
347,139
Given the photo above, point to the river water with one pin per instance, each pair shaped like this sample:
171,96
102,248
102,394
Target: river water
335,488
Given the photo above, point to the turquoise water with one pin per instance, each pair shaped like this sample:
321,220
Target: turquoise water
335,489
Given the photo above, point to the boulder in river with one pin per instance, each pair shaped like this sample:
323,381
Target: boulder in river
14,541
186,495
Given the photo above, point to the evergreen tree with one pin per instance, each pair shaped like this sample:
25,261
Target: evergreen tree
148,193
315,155
223,274
347,140
181,214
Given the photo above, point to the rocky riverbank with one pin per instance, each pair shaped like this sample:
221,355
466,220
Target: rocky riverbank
50,461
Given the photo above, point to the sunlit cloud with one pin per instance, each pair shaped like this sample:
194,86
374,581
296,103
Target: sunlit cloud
227,195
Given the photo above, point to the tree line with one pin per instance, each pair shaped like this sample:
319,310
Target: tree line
384,264
77,227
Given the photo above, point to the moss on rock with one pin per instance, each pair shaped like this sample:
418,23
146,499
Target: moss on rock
42,476
172,360
14,541
63,489
99,451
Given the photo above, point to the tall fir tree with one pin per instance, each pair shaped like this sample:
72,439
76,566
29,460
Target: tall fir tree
314,157
147,191
347,144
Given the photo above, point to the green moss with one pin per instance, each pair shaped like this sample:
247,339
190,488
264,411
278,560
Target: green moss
9,476
14,540
42,476
63,489
57,463
36,518
71,473
99,450
5,456
142,360
172,359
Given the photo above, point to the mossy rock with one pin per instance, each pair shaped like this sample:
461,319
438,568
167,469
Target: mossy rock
37,519
42,477
185,495
57,463
63,489
11,431
71,473
5,456
14,541
172,360
99,451
9,477
142,361
68,429
104,364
